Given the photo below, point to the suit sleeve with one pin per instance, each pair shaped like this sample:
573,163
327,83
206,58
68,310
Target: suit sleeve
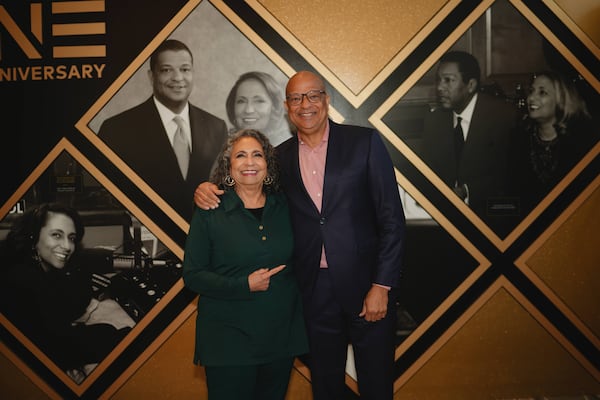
389,214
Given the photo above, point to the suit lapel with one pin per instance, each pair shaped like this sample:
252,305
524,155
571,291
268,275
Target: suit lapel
290,163
157,134
204,146
332,164
196,127
287,155
473,144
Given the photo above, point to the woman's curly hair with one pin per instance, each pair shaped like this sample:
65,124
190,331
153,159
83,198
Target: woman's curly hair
221,170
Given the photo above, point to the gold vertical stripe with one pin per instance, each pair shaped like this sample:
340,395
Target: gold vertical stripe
86,28
79,51
66,7
36,21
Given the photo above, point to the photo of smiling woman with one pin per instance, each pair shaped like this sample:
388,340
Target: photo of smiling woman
555,133
45,291
256,102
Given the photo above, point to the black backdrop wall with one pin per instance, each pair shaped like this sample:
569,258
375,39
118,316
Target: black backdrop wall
67,66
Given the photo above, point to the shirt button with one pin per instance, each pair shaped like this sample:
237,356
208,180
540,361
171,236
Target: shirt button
264,238
322,221
260,227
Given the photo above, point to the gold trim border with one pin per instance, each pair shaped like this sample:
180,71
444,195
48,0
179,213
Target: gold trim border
377,120
65,145
267,50
558,45
150,350
82,124
42,385
484,264
521,263
573,27
355,99
553,194
501,283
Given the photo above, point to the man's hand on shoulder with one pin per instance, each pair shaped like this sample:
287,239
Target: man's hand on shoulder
206,196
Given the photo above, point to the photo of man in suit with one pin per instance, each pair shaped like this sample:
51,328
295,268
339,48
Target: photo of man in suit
466,138
170,143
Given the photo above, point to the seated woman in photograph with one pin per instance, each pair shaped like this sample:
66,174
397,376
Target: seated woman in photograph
238,259
555,134
47,295
256,102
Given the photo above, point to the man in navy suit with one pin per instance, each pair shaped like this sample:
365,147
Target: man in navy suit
475,169
144,135
349,234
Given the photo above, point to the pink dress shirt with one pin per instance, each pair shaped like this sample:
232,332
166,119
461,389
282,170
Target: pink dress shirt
312,170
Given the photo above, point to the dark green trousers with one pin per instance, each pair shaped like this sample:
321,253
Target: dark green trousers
252,382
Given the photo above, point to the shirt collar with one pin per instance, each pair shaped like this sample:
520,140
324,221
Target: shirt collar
467,113
166,115
324,139
230,201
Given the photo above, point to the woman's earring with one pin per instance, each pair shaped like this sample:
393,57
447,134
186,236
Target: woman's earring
35,255
229,181
268,180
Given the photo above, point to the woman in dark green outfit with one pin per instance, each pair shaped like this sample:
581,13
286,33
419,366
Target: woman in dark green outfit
249,326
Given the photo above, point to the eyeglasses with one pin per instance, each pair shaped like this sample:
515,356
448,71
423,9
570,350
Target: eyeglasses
313,96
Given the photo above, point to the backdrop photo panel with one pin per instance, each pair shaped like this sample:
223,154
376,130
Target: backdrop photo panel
123,274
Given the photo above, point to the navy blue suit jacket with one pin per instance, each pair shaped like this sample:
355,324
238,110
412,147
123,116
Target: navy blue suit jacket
138,136
361,222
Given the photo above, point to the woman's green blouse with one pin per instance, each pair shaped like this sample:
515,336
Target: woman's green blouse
235,326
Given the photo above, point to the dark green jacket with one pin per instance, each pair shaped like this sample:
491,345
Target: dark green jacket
235,326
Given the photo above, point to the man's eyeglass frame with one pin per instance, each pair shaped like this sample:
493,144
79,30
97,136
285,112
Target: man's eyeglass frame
313,96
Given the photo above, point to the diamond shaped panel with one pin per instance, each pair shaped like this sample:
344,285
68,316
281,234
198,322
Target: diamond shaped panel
521,359
564,266
361,39
133,267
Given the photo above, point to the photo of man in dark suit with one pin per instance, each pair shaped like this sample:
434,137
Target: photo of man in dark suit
466,138
170,143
